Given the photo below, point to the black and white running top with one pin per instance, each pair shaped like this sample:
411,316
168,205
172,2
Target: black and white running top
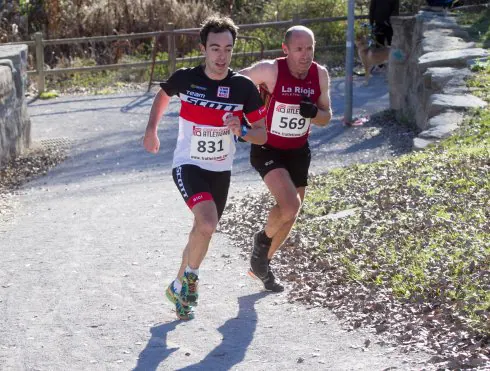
203,139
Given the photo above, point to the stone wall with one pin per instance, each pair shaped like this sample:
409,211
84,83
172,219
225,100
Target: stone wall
427,70
15,125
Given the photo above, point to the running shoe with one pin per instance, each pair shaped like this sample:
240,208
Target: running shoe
189,294
259,262
183,312
270,283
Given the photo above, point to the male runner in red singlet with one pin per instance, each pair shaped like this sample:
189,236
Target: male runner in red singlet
214,99
296,96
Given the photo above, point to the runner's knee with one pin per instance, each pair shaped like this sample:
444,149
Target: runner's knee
290,210
206,227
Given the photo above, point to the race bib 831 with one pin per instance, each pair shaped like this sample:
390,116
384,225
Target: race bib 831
210,143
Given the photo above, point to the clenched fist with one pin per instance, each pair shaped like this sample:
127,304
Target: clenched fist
151,141
307,108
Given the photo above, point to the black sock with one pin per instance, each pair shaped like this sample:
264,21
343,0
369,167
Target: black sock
263,238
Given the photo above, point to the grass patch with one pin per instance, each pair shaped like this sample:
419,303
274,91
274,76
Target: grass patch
49,94
423,229
478,26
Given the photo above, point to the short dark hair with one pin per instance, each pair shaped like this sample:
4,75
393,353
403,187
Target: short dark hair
216,24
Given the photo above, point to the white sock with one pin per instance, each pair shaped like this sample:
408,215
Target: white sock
177,286
190,270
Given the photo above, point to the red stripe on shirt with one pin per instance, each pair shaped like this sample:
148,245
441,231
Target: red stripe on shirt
204,115
257,114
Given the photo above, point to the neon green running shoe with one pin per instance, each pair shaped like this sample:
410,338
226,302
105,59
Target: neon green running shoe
189,294
183,312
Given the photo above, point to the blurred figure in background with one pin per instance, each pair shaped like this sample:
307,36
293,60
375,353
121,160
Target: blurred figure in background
380,12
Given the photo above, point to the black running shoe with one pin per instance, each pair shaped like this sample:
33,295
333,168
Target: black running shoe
271,284
259,262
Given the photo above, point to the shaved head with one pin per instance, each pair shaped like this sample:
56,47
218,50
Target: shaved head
297,30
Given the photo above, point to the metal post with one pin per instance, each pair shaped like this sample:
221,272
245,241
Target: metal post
171,48
349,62
38,39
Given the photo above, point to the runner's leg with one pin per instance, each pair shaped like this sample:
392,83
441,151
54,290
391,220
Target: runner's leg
283,232
205,223
288,201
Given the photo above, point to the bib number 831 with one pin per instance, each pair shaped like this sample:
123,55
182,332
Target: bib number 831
210,146
294,123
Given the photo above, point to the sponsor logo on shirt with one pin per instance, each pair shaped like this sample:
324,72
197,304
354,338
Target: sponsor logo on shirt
210,104
194,94
193,86
223,91
196,131
284,108
297,90
210,132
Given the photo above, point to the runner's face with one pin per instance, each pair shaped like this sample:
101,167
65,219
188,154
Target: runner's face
217,53
300,50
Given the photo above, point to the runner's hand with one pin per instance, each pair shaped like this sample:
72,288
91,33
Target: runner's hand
151,141
307,108
234,124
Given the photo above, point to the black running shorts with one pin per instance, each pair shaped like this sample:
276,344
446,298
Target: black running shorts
197,185
295,161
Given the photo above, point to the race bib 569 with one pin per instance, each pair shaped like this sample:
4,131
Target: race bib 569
287,122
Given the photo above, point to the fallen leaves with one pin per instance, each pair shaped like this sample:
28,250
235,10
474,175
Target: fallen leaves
18,171
411,263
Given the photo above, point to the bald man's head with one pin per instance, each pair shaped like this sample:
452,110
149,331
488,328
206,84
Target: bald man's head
297,30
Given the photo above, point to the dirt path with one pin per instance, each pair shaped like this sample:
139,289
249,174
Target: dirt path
87,257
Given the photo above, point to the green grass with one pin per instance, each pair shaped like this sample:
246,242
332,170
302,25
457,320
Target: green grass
423,225
478,26
49,94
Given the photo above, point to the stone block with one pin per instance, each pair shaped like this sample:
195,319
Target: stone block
442,102
444,43
17,54
451,58
6,81
438,132
448,80
455,32
15,125
420,144
448,117
434,21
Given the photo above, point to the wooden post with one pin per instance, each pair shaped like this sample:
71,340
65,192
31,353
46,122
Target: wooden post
38,39
172,57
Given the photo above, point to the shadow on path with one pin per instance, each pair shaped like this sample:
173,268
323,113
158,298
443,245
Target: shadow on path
237,334
156,351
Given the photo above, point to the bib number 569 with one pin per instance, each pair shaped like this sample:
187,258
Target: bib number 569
294,123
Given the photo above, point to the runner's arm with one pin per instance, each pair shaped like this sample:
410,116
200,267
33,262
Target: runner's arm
263,72
324,114
160,104
258,133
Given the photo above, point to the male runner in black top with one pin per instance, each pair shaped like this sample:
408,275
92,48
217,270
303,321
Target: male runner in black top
214,99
